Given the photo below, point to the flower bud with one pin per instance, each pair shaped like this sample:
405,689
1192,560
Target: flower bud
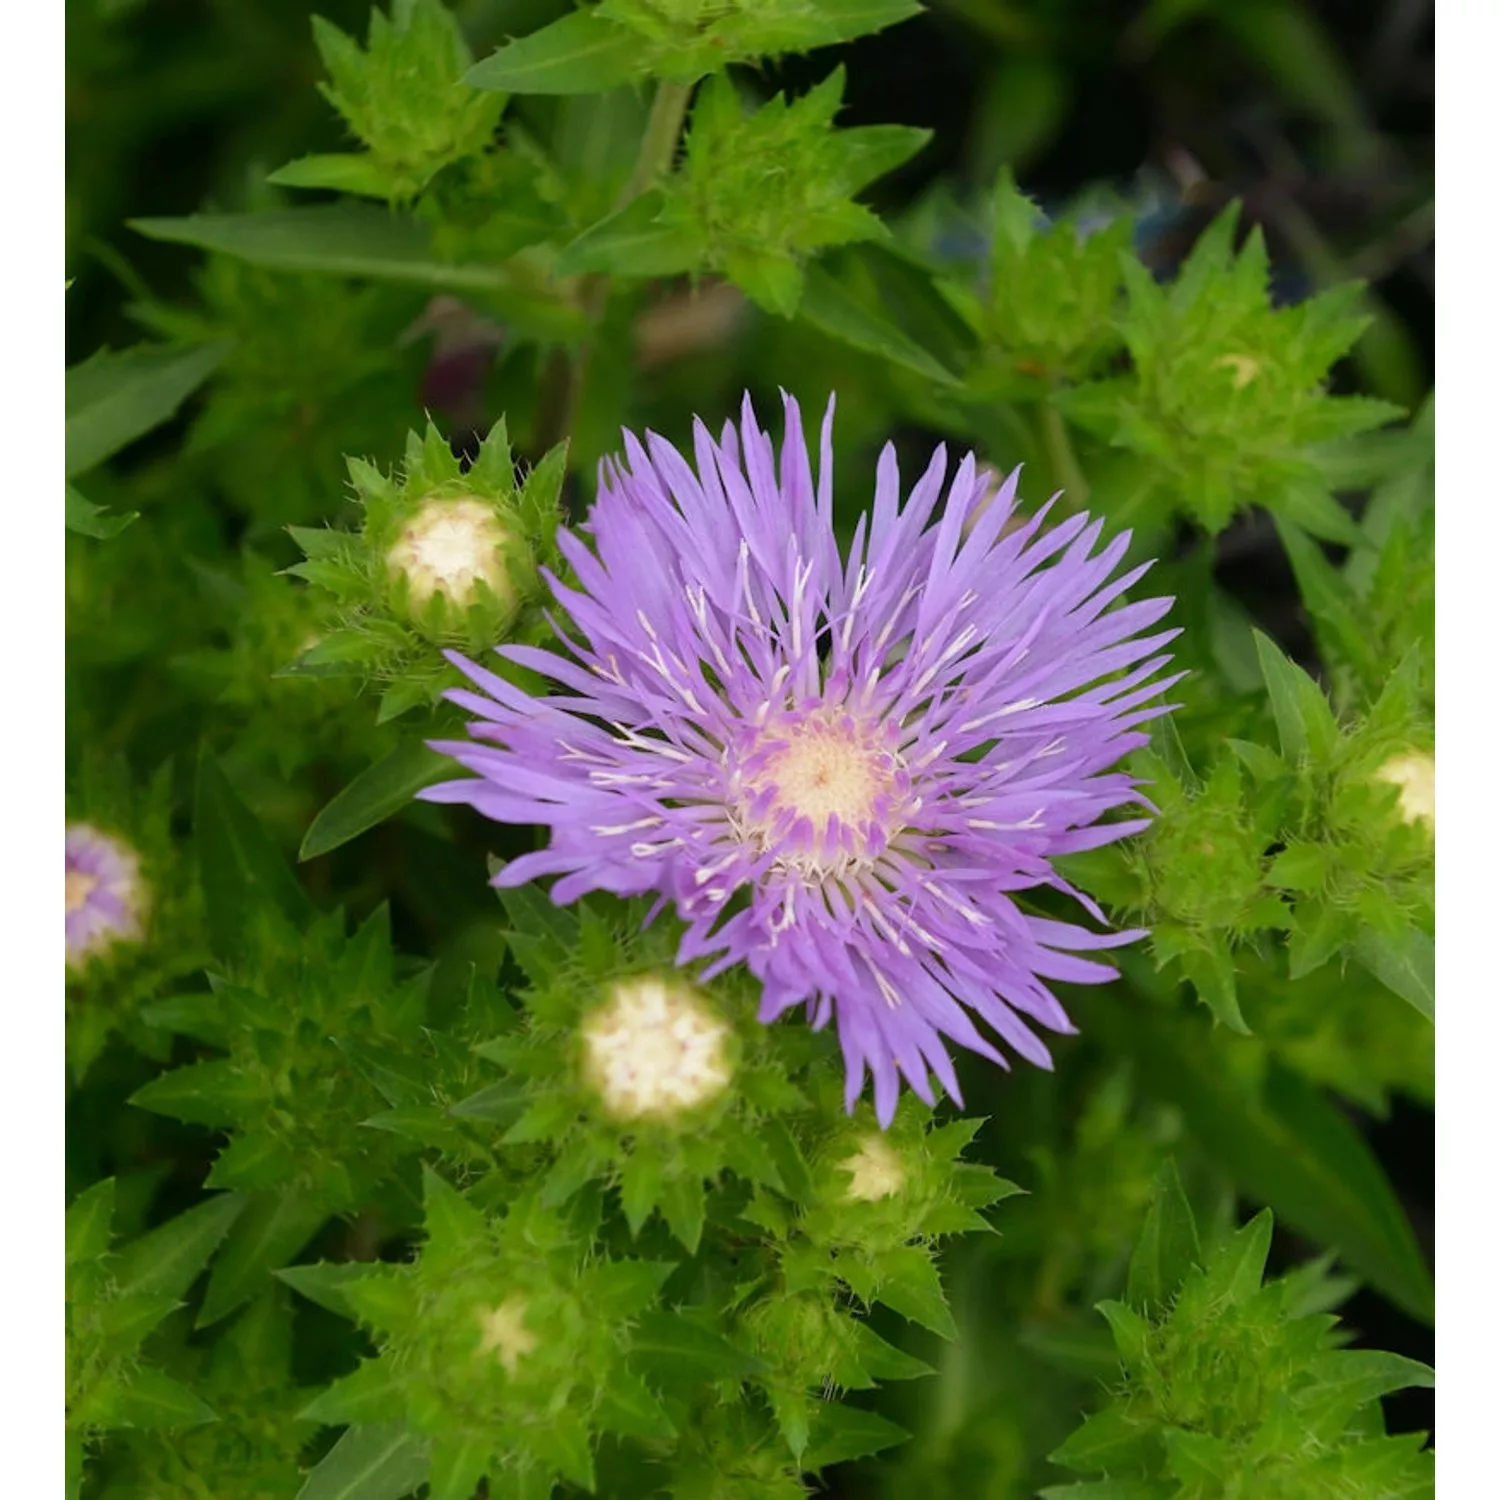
1413,773
875,1171
654,1051
449,547
505,1334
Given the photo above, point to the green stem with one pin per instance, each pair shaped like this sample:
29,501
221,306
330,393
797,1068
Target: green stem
659,144
1062,458
562,380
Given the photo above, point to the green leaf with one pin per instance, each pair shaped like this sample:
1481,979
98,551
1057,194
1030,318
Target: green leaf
1362,1375
274,1228
839,1433
344,172
1405,963
89,1220
383,1462
373,796
167,1261
831,308
152,1399
1211,971
88,519
239,866
580,53
1168,1247
458,1464
1286,1145
1109,1489
205,1093
368,1395
1304,721
673,1347
628,1407
911,1286
636,241
1236,1272
324,1283
682,1205
340,239
114,398
1108,1440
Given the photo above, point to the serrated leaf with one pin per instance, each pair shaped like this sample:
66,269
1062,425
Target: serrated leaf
152,1399
89,1220
325,1283
839,1433
1236,1272
167,1261
500,1104
239,866
1304,721
1362,1375
673,1347
210,1093
635,241
628,1407
831,308
1405,963
457,1466
683,1205
1108,1489
1286,1146
580,53
373,796
1108,1440
1212,974
88,519
1168,1247
274,1228
911,1286
114,398
366,1396
383,1462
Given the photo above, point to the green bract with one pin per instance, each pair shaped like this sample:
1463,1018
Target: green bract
402,96
1236,1389
446,557
1227,394
755,196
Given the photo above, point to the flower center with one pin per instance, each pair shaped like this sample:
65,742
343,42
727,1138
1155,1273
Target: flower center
80,887
820,790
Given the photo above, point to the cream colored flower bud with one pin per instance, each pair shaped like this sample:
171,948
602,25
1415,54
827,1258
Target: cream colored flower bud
504,1333
1413,772
653,1050
449,547
875,1171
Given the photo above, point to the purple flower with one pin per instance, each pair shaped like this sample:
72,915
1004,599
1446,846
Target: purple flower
839,772
106,899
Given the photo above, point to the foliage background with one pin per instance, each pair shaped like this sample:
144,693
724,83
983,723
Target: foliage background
1317,117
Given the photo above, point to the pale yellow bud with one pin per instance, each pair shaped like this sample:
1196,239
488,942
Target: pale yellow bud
505,1334
653,1050
1413,772
1244,367
449,547
875,1171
